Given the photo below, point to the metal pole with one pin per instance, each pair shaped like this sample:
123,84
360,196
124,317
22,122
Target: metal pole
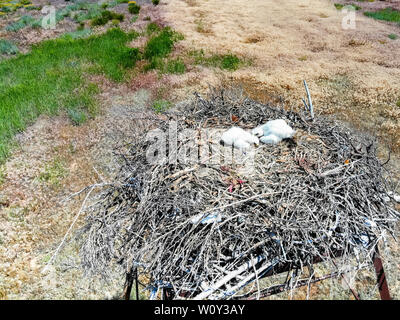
128,284
137,283
380,276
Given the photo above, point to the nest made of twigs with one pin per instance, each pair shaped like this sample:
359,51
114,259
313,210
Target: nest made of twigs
189,222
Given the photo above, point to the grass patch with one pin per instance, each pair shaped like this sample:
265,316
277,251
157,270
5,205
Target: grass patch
3,176
16,213
393,36
229,62
116,2
223,61
105,17
172,66
161,45
22,22
115,22
161,105
7,47
133,8
46,79
88,11
53,172
158,48
152,28
201,27
78,34
77,117
175,66
340,6
82,104
387,14
7,6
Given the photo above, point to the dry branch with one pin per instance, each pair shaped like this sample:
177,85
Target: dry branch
315,196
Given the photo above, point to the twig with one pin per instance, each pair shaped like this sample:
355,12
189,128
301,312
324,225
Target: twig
309,105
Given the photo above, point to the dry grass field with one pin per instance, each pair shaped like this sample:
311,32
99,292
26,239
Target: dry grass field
354,74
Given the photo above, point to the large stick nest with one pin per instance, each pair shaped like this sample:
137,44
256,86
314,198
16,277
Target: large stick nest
186,224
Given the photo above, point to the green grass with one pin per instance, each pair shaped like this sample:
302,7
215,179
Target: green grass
175,66
340,6
7,47
163,65
223,61
393,36
14,5
81,33
3,176
53,172
161,45
22,22
161,105
116,2
229,62
152,28
53,77
77,117
88,11
388,14
105,17
133,8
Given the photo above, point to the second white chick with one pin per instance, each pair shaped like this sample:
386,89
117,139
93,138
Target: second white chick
273,131
238,138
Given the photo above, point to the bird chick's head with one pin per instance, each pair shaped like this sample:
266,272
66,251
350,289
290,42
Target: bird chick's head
255,140
258,132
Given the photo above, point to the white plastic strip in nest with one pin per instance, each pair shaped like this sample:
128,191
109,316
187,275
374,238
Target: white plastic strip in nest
212,217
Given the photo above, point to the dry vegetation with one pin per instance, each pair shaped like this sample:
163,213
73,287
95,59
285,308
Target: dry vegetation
354,74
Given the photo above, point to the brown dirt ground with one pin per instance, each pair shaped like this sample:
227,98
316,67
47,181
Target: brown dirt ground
354,74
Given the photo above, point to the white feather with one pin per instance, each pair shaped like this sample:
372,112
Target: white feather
238,138
259,132
241,144
273,131
270,139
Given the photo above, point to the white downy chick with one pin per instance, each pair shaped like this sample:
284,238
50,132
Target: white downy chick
273,131
270,139
239,138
